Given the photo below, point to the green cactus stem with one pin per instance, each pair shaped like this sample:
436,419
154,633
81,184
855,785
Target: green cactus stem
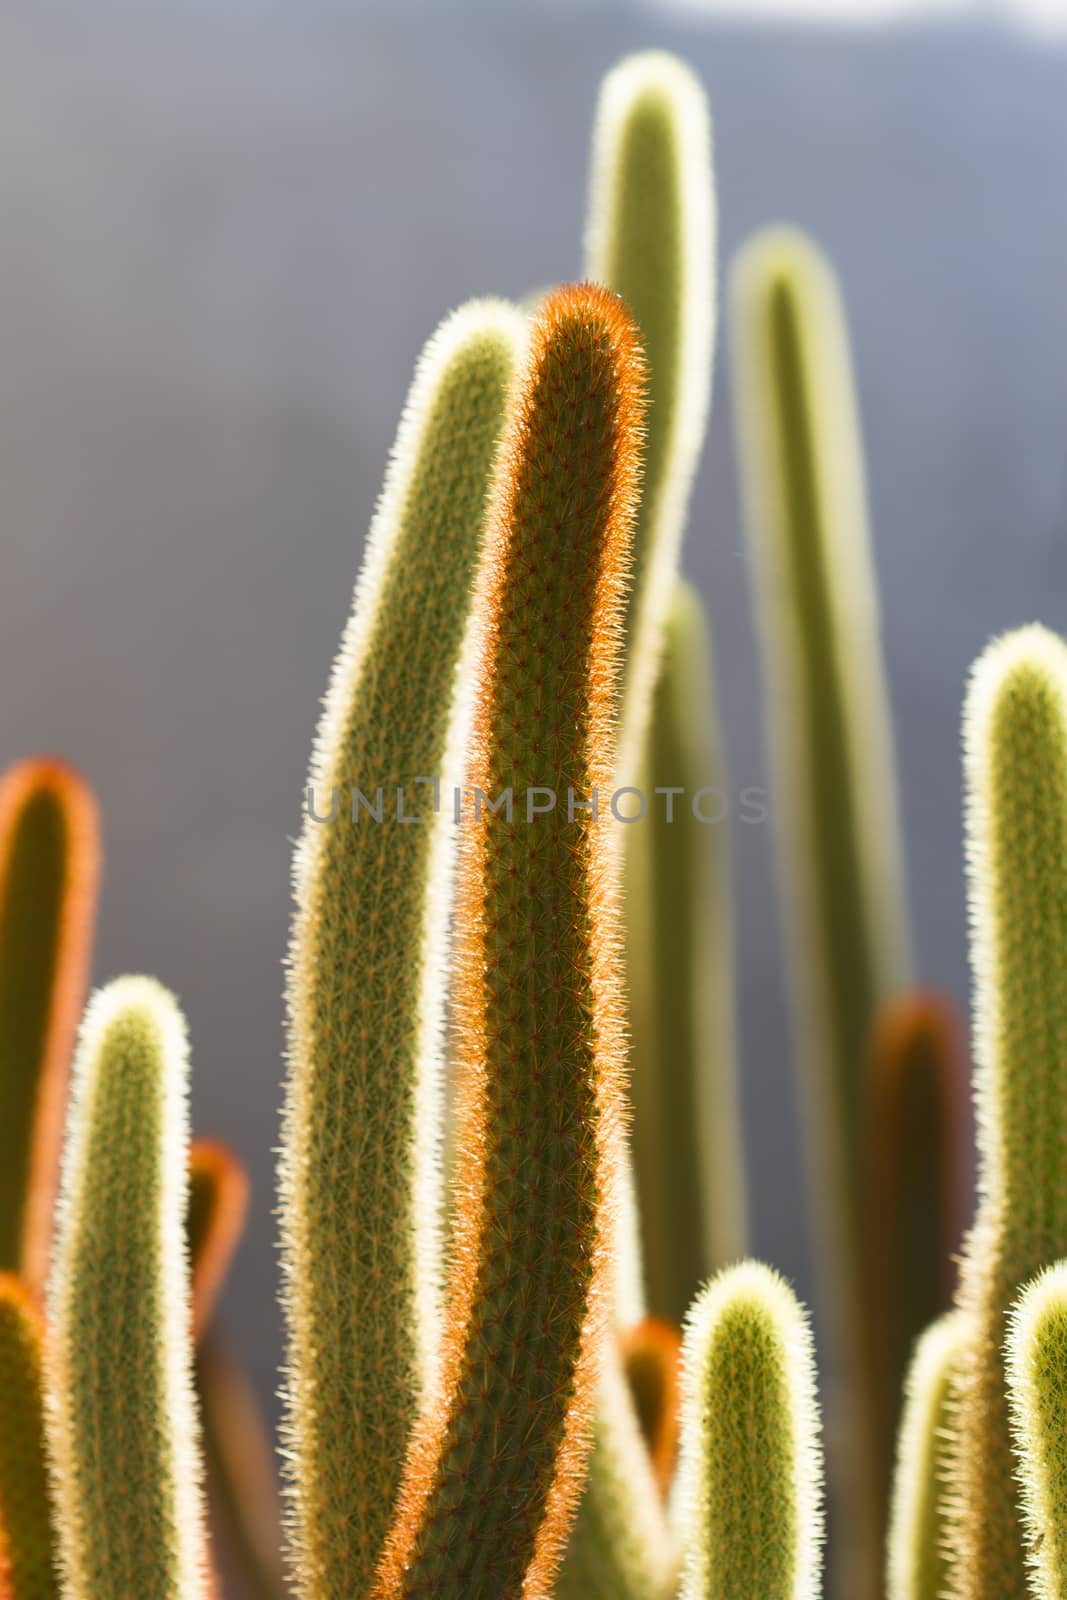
367,987
1015,747
686,1132
916,1123
1036,1357
49,867
122,1422
497,1463
750,1481
919,1523
28,1568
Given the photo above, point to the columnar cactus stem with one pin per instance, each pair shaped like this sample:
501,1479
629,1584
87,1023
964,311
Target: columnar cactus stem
915,1180
651,1360
496,1466
28,1569
1037,1389
686,1134
1015,742
49,866
919,1524
368,975
750,1484
218,1204
122,1421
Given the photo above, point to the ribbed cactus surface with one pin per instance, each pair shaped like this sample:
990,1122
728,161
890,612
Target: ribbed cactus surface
1015,739
368,969
1037,1390
28,1569
492,1479
122,1420
751,1469
49,865
919,1531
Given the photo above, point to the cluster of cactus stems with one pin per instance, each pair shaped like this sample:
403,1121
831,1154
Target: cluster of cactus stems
526,1354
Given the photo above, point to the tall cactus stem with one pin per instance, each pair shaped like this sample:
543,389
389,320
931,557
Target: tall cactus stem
919,1530
1037,1390
750,1481
361,1165
218,1205
49,869
651,1355
122,1422
496,1466
28,1569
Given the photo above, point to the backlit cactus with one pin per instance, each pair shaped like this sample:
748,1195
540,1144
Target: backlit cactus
751,1468
920,1530
367,985
122,1420
28,1567
1037,1390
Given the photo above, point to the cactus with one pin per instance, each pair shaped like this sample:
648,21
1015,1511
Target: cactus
537,1002
360,1173
919,1532
49,864
651,1359
122,1422
218,1202
1036,1364
914,1168
27,1555
1015,744
751,1466
686,1138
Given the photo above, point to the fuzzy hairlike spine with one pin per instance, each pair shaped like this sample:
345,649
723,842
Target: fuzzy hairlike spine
361,1173
496,1463
919,1525
1015,752
750,1483
687,1135
1036,1357
915,1178
49,869
122,1423
28,1568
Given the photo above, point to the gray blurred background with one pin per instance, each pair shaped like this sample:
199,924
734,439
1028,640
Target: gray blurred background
224,236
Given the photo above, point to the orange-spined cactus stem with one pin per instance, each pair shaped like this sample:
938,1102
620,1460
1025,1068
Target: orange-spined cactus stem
49,867
493,1475
27,1565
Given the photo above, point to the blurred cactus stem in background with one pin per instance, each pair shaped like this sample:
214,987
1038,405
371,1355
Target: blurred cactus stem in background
123,1445
834,786
750,1478
498,1459
1037,1390
679,961
361,1166
1015,745
917,1567
49,869
28,1564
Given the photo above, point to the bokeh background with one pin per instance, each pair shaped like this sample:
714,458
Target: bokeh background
226,230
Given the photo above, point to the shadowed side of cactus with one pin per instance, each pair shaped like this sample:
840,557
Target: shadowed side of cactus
919,1527
750,1483
1015,746
651,238
49,867
122,1422
915,1179
1037,1389
686,1134
28,1569
497,1462
361,1150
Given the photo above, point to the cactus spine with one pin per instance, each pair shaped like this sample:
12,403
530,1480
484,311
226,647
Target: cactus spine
686,1136
1015,745
27,1557
919,1531
49,866
751,1468
497,1461
122,1420
360,1173
1037,1389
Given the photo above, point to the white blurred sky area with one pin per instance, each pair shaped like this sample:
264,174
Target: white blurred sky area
1042,15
